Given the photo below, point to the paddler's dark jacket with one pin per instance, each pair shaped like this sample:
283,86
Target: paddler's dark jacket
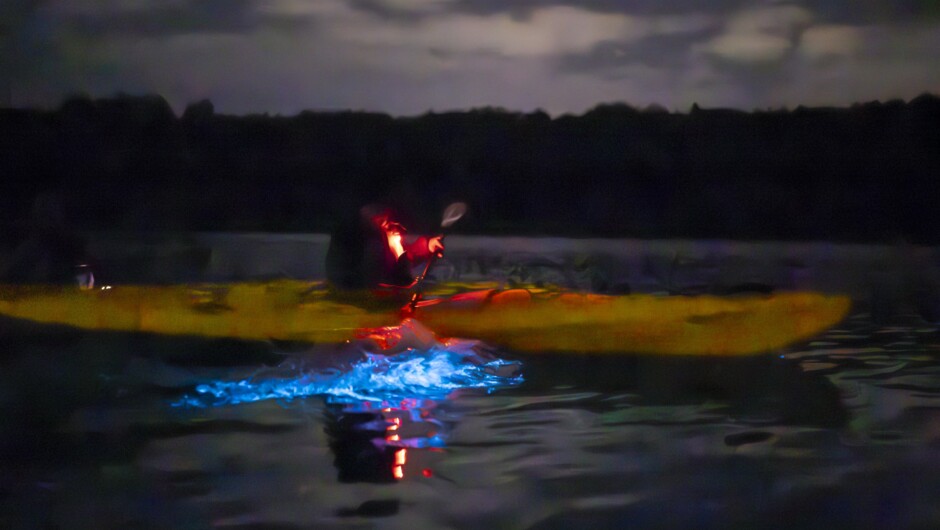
359,257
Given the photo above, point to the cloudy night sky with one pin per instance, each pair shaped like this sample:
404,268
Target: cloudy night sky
406,57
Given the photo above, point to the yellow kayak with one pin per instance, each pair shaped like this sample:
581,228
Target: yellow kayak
517,319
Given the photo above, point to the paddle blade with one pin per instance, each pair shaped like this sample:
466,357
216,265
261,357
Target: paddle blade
453,213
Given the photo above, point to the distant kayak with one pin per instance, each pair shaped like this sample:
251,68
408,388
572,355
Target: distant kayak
521,320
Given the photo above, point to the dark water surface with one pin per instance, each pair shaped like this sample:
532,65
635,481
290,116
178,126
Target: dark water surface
840,431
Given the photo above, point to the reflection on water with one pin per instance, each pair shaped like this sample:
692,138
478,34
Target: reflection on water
371,443
378,406
888,378
841,431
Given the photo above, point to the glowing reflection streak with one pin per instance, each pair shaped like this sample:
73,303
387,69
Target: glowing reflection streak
432,374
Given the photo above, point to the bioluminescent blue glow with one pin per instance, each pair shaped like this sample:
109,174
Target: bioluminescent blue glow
432,373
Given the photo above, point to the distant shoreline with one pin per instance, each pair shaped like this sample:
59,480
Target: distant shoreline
866,173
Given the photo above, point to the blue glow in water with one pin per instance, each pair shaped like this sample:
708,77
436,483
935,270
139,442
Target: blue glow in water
433,374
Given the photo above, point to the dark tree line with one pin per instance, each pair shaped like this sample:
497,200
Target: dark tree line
865,173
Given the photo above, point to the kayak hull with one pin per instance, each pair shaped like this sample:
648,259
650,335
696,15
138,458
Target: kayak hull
515,319
683,325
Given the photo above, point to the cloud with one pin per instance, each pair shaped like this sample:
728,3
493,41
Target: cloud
758,35
843,64
877,12
98,7
748,47
404,57
633,7
824,41
775,20
147,18
305,8
418,6
546,31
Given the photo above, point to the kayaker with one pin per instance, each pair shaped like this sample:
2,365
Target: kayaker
48,250
372,251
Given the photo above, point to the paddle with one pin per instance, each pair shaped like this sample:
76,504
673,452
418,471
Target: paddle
452,214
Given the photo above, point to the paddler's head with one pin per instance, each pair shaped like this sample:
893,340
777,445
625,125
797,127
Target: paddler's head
376,216
382,218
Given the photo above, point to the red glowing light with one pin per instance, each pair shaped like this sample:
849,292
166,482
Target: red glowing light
427,473
394,243
397,472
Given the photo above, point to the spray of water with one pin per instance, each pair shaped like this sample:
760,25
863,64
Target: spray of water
433,373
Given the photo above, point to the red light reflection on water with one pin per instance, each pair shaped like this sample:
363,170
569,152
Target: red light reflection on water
398,468
395,429
393,438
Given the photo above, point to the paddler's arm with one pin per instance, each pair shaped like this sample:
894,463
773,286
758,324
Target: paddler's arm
422,248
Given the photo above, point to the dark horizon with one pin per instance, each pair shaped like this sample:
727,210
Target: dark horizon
865,173
625,105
